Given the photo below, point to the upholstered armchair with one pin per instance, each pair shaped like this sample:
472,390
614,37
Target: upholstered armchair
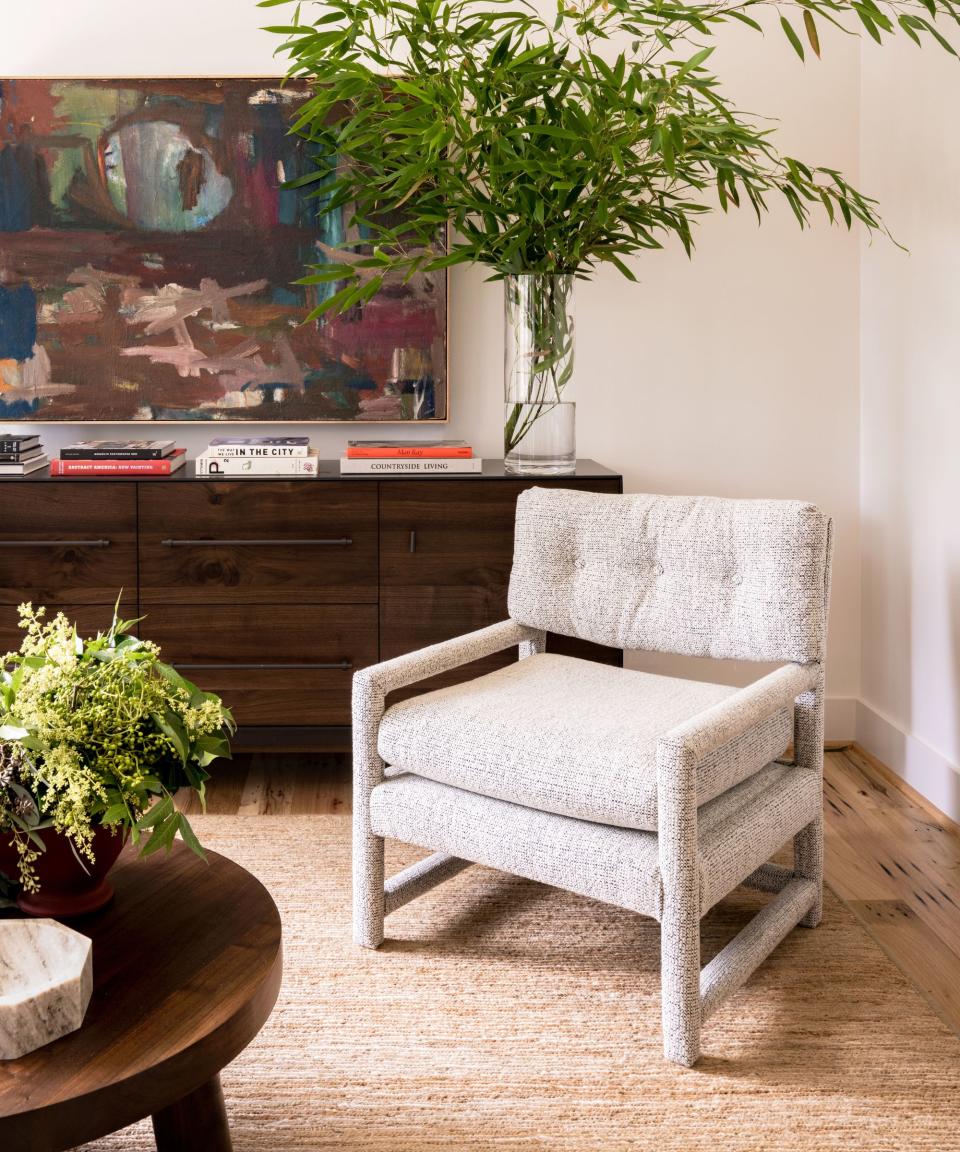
657,794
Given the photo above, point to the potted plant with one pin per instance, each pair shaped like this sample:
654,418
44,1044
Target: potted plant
96,736
551,145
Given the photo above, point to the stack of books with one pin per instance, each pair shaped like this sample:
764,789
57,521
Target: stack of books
119,458
259,456
21,454
406,457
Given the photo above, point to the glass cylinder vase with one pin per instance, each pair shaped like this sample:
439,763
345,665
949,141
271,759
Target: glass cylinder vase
539,434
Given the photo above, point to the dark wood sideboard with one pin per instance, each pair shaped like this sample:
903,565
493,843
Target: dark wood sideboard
270,591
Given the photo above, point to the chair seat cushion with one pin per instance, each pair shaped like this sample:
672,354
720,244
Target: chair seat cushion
735,834
568,736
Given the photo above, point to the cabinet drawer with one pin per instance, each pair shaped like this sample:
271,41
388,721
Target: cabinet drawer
89,619
64,545
302,541
273,666
455,533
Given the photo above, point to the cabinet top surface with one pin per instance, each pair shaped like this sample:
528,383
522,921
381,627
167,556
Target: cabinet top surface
329,470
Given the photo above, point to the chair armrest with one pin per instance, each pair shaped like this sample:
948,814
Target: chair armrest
371,685
680,751
402,671
737,714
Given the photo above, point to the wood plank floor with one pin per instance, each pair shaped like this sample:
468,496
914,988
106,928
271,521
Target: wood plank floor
891,856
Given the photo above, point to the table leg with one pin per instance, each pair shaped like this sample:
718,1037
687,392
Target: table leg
194,1123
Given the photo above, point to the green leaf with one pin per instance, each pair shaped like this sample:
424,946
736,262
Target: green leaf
162,836
338,302
172,727
172,676
694,62
554,131
941,40
906,26
189,836
666,149
156,814
744,19
868,22
792,36
500,52
618,263
308,178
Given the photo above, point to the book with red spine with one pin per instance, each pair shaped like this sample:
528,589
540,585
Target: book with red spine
162,467
408,450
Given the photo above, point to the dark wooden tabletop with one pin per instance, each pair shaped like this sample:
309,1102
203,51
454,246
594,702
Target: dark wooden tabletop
187,963
328,470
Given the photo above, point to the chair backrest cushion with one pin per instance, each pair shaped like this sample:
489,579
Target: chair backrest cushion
694,575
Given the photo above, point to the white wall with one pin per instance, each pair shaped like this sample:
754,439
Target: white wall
910,446
735,374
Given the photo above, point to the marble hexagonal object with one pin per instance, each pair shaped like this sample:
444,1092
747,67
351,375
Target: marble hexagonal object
46,977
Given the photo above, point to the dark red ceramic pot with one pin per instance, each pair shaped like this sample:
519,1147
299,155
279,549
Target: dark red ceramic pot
66,889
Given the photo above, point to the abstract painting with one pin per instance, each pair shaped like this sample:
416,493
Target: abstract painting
148,258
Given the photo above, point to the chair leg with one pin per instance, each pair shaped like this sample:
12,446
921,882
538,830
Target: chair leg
368,894
368,864
680,915
808,864
680,980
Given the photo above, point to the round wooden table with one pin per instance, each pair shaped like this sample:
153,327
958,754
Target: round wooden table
187,963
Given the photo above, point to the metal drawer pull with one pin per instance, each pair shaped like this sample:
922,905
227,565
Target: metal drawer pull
342,665
413,541
54,543
342,542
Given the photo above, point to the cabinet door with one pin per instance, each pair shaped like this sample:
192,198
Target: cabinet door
446,549
296,542
67,543
449,533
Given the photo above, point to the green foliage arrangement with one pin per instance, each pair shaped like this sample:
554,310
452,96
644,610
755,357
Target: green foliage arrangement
99,732
550,144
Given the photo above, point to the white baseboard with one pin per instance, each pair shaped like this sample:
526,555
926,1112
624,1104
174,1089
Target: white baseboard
924,768
840,719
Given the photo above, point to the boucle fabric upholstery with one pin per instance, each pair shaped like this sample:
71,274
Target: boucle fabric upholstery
616,865
746,579
570,736
700,576
370,686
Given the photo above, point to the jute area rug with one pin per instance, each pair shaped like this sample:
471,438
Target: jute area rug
502,1015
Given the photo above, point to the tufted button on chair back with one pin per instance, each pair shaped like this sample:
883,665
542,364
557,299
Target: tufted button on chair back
696,576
